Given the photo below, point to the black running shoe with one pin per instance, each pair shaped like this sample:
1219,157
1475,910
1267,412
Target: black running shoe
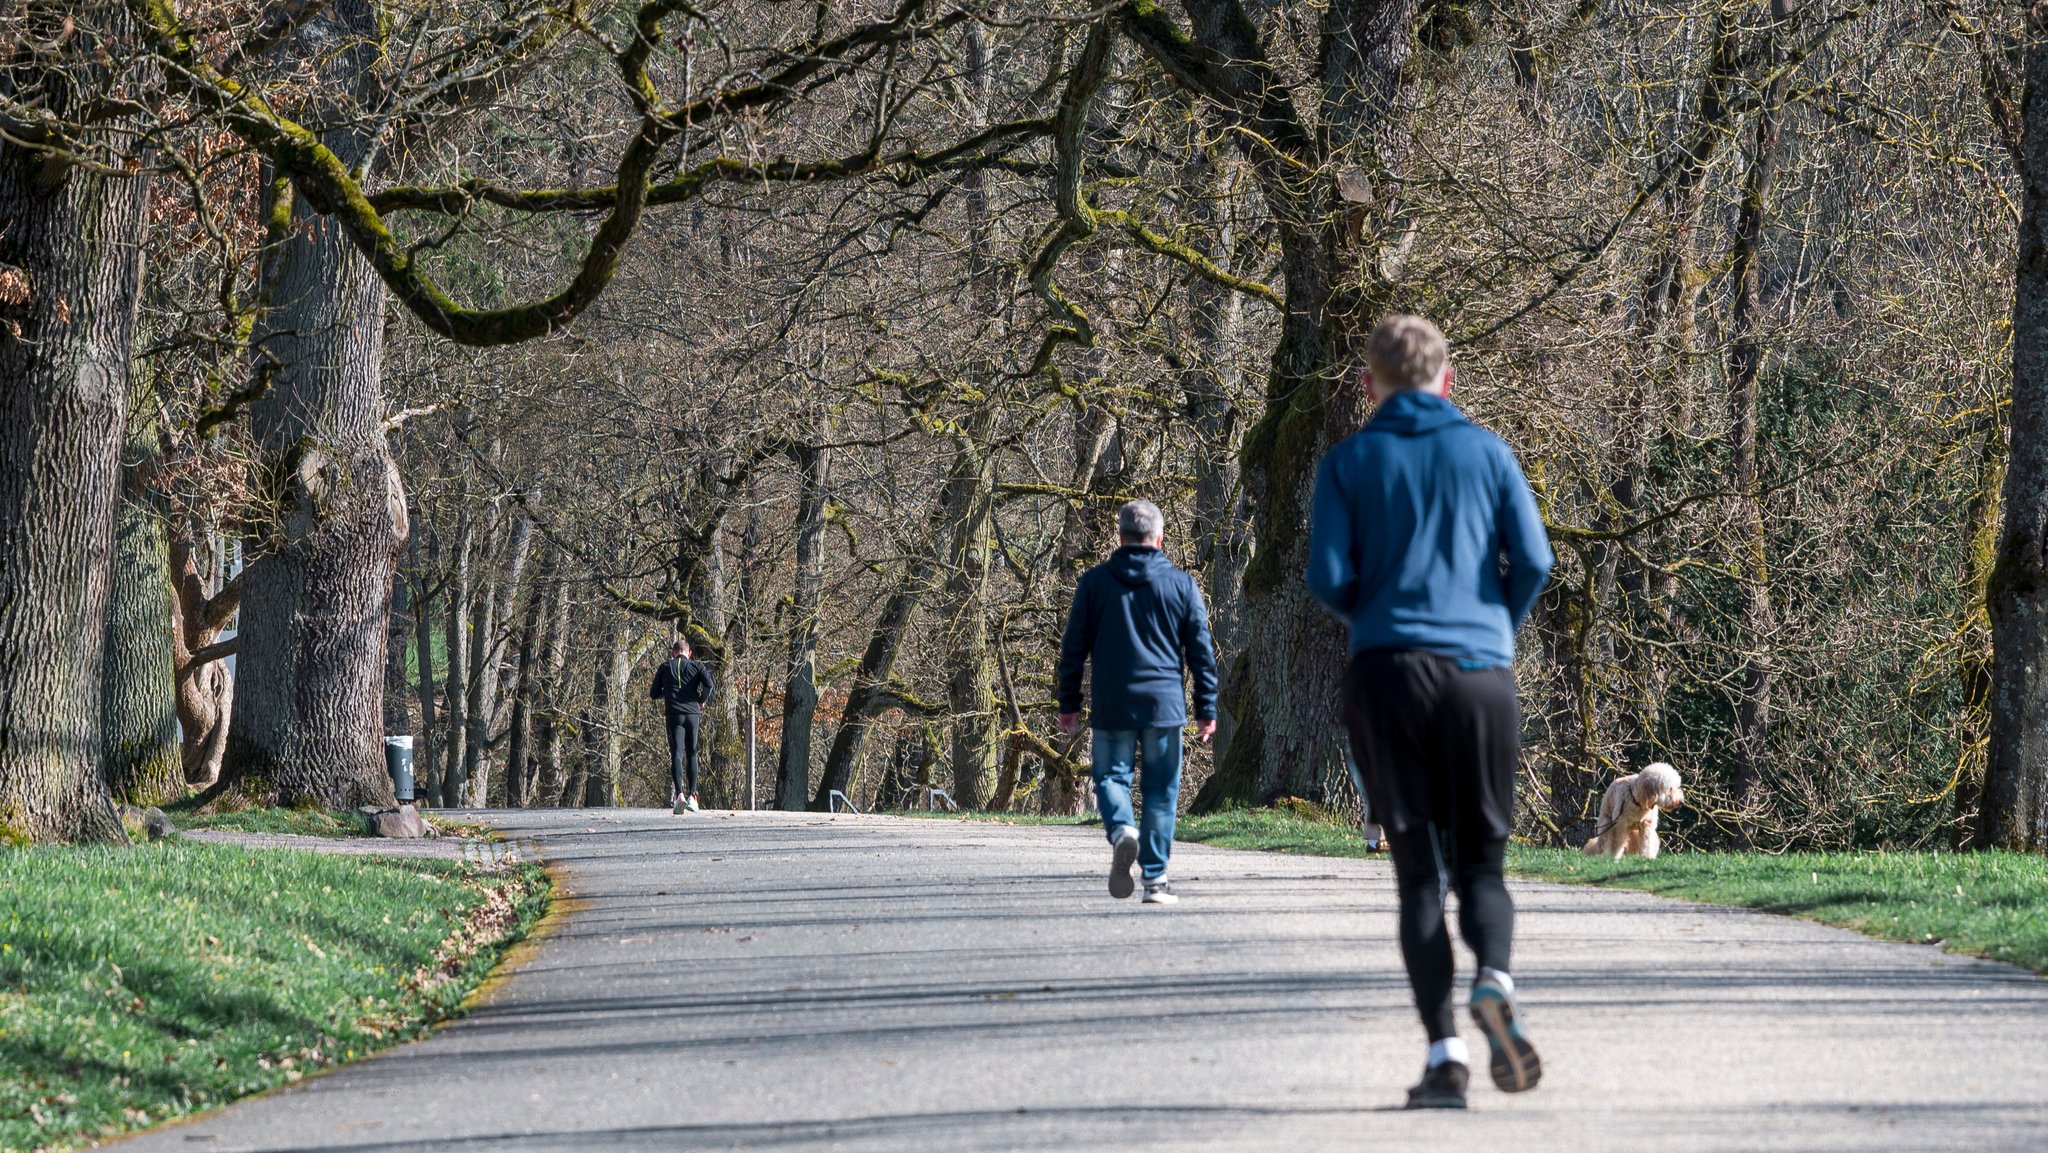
1442,1087
1124,854
1515,1066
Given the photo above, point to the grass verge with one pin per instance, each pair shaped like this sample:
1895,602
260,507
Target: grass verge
139,985
297,822
310,822
1982,904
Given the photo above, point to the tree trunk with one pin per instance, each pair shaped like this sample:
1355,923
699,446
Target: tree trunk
1313,173
970,663
1973,637
397,713
604,721
800,689
519,771
428,764
311,660
480,691
205,601
2015,809
139,705
455,694
70,256
549,704
1221,543
866,701
1745,364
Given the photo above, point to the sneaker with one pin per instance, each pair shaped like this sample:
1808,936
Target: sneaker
1123,854
675,806
692,802
1160,892
1442,1087
1515,1066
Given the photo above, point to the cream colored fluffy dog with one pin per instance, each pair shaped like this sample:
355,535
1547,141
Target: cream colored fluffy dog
1628,813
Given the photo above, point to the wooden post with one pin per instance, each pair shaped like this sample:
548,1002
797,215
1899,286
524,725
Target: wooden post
750,752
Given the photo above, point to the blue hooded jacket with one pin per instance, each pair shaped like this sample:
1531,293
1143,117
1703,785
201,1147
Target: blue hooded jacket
1425,534
1139,617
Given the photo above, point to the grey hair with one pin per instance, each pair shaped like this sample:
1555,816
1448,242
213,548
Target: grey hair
1139,520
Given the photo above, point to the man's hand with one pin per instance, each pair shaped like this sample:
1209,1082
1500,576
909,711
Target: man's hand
1205,729
1069,722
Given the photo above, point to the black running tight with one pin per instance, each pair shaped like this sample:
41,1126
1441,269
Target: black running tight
1427,864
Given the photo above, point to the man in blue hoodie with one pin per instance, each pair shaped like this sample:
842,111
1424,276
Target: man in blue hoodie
1143,621
1426,542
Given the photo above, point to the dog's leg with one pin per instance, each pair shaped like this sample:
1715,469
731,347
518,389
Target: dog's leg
1650,843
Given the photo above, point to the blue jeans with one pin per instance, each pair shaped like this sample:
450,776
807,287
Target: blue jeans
1115,755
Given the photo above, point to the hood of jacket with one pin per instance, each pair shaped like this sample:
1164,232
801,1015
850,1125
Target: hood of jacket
1414,413
1134,564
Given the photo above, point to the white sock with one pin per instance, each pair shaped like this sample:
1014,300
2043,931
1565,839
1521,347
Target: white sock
1449,1049
1506,983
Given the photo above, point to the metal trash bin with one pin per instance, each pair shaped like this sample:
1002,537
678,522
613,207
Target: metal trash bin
398,762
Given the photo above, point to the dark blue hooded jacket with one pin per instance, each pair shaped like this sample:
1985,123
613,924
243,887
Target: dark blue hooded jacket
1425,535
1139,617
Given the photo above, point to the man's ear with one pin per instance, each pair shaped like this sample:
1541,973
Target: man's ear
1450,372
1372,388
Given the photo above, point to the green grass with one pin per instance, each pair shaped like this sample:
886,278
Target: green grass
1983,904
300,822
142,984
310,823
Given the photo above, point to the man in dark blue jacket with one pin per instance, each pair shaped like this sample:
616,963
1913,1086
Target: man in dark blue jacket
1143,622
1426,542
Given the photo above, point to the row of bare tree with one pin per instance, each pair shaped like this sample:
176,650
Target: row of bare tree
457,355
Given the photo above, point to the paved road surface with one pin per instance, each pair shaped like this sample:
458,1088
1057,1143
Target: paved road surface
801,982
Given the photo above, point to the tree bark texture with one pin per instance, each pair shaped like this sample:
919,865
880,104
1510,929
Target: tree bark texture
398,623
139,701
1315,174
1745,366
869,697
2015,806
310,709
605,721
455,690
426,762
490,632
800,688
71,253
970,663
548,722
206,601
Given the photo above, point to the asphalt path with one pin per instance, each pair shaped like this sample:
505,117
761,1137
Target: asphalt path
804,982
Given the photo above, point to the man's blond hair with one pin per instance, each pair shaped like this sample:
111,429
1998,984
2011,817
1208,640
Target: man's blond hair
1406,352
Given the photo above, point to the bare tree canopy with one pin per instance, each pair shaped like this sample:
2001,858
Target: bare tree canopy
470,351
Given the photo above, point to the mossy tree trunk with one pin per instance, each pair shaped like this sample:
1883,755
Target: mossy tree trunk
426,759
800,686
139,702
604,722
1321,176
455,683
70,280
549,723
2015,806
1745,366
309,705
970,663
